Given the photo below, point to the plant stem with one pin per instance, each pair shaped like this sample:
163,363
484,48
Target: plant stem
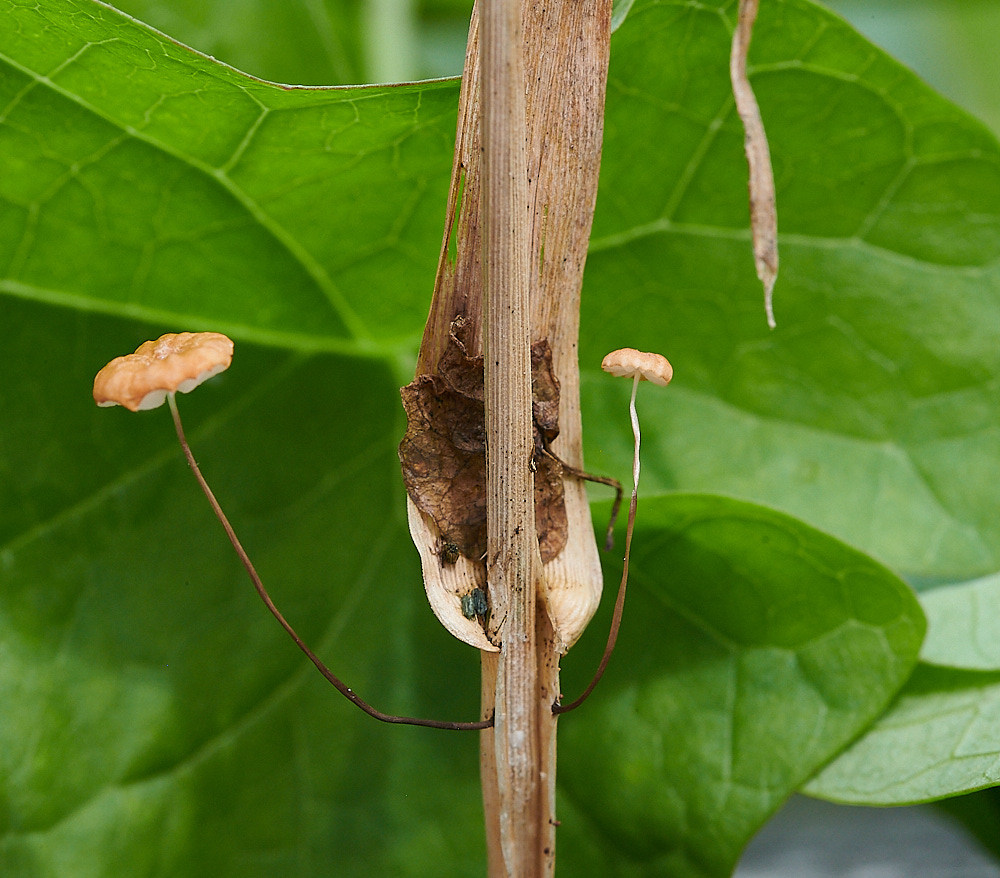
512,562
565,56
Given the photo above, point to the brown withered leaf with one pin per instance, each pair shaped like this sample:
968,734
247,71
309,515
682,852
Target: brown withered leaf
763,200
443,453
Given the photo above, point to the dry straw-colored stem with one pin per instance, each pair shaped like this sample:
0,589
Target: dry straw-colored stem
564,47
512,562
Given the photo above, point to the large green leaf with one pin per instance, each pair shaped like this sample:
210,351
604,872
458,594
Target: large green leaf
876,393
154,183
155,719
756,649
873,411
939,738
963,625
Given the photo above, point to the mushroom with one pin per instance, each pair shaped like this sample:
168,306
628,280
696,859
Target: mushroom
180,362
642,365
158,369
639,366
153,374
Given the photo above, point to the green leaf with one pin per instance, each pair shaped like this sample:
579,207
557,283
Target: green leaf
964,625
156,720
152,182
873,411
753,649
938,739
317,43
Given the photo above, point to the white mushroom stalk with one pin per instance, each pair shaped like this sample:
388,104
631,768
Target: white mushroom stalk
639,366
180,362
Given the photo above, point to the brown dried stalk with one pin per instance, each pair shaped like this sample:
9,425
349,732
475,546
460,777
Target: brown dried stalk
565,55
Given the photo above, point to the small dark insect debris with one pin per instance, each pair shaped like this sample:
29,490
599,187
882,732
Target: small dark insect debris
449,551
467,609
474,604
479,604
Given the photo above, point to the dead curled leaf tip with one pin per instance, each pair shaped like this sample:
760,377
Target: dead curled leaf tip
628,362
174,362
763,199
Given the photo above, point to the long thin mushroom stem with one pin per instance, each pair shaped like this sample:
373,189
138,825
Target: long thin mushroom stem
616,619
341,687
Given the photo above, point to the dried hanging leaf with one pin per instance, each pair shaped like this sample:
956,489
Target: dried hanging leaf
763,209
443,453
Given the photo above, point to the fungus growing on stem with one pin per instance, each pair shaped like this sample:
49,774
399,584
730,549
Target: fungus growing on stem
180,362
639,366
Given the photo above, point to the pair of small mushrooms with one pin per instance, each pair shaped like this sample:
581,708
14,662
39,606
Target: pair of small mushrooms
179,362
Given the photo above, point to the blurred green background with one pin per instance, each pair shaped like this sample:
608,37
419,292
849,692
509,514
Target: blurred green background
950,43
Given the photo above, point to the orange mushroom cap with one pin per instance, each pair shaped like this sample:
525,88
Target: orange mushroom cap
628,362
175,361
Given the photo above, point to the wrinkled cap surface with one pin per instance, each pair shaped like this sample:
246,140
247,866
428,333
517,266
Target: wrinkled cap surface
628,362
175,361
